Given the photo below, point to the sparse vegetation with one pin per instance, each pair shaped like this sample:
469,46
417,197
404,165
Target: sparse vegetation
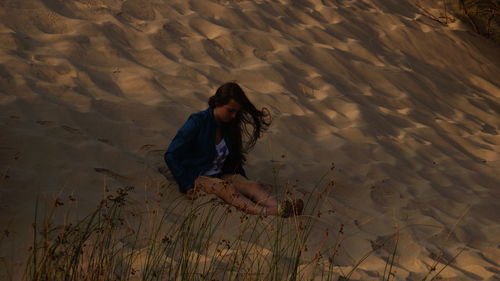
187,241
482,15
114,243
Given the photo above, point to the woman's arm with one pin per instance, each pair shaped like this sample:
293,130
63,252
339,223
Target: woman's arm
179,149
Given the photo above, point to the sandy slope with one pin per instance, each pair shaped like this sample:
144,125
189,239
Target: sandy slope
407,109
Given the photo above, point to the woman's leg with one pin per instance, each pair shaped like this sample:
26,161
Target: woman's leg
259,195
252,190
226,191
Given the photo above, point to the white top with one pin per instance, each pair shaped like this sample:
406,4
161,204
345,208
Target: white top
222,153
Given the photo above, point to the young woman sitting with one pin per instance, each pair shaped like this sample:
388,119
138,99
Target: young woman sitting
207,154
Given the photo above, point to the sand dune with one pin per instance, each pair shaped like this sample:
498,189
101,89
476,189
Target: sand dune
92,91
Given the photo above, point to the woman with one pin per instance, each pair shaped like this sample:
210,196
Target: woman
208,154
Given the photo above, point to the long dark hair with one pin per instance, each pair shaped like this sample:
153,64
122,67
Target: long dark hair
259,120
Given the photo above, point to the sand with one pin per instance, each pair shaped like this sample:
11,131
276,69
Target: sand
92,92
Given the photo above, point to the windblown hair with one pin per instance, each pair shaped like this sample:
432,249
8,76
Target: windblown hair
259,120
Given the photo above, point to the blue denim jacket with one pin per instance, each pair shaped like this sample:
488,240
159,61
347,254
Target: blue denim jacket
192,150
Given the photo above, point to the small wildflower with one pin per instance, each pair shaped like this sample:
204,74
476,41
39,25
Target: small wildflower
58,202
318,256
166,240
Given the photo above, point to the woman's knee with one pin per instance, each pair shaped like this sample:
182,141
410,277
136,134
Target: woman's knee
214,185
207,184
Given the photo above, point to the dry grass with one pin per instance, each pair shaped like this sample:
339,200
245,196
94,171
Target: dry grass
120,240
483,16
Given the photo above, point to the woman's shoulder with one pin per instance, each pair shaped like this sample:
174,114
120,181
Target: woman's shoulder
201,115
200,118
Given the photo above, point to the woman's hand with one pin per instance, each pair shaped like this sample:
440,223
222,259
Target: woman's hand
193,194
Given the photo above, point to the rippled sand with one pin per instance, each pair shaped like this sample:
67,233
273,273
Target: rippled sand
406,108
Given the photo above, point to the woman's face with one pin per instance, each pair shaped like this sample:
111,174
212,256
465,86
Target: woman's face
226,113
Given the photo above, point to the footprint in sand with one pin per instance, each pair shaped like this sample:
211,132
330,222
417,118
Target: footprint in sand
44,122
106,141
147,147
154,160
72,130
122,179
153,156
